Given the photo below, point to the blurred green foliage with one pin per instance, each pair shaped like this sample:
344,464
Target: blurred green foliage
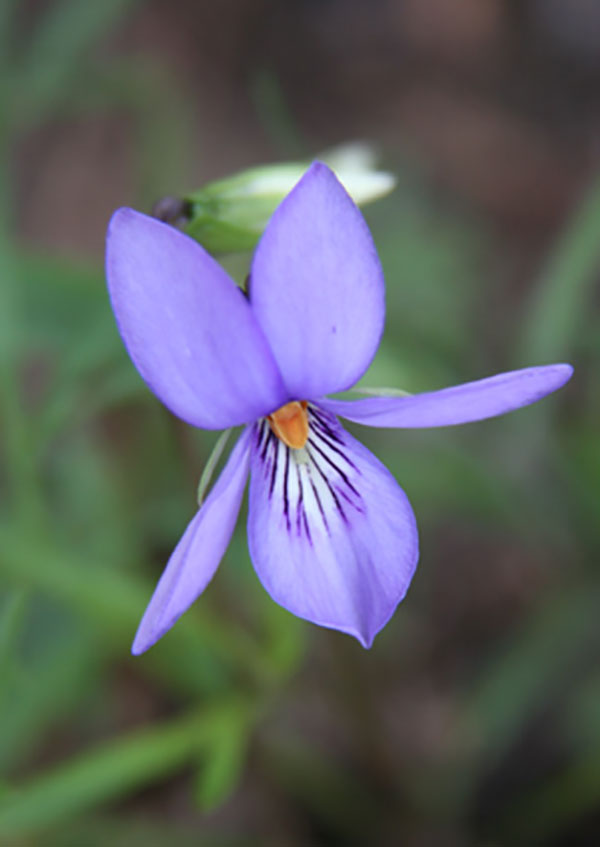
97,482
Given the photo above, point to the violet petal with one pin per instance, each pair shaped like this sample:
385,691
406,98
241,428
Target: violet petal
471,401
187,326
331,534
198,553
317,287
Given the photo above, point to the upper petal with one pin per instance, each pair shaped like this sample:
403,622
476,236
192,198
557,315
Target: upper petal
188,328
331,534
472,401
317,287
196,557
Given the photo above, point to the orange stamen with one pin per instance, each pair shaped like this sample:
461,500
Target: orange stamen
290,423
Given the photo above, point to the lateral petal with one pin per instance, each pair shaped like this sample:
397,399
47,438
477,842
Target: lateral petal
471,401
187,327
317,287
331,534
198,553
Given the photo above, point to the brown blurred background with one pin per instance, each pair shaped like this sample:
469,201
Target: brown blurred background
489,112
495,101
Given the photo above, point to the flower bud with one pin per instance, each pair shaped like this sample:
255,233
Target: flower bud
231,214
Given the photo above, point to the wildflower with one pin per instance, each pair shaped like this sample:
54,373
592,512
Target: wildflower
331,534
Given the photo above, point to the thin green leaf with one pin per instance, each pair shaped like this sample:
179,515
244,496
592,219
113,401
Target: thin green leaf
222,768
275,114
48,687
66,33
11,620
114,602
561,302
109,771
520,680
7,29
16,433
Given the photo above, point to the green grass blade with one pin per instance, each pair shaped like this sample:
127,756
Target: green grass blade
114,602
221,770
561,302
110,771
65,34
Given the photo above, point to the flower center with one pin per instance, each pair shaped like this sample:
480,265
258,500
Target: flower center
290,423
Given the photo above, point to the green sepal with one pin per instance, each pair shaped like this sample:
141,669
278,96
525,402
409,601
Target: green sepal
231,214
380,392
211,464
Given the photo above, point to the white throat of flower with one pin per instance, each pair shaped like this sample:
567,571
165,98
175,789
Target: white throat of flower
315,484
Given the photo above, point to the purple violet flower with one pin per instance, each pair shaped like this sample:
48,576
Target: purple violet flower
331,534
